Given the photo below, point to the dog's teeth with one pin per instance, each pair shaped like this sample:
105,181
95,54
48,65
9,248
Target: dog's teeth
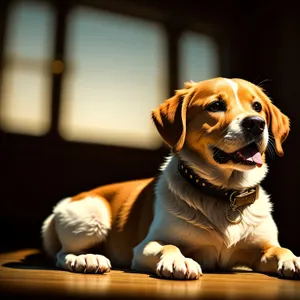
240,155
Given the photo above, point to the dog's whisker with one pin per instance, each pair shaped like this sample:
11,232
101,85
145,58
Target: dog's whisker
270,153
215,145
260,84
271,142
271,148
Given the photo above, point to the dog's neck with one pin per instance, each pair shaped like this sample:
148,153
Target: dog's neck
222,177
241,188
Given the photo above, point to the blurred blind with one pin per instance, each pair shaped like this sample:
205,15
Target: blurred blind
198,57
116,74
25,93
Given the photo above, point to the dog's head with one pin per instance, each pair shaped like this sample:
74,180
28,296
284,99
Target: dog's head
224,120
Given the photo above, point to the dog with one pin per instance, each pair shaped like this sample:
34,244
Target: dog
204,212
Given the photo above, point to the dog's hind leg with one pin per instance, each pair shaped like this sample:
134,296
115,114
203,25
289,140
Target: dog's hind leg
79,226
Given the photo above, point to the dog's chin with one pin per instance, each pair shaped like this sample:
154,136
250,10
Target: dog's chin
245,158
240,166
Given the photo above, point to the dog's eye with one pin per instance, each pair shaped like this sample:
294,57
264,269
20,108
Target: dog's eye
218,105
257,106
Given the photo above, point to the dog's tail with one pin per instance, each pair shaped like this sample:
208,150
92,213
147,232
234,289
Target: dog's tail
51,243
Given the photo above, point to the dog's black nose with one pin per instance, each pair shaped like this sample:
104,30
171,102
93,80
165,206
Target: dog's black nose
254,124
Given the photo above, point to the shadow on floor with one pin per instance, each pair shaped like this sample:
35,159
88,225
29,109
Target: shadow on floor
36,261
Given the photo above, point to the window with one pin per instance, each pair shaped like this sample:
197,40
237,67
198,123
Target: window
25,105
116,74
198,56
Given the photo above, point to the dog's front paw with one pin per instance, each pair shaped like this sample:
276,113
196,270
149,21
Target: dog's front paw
87,263
289,268
174,267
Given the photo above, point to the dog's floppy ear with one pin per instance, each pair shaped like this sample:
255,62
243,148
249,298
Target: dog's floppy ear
170,117
280,126
277,121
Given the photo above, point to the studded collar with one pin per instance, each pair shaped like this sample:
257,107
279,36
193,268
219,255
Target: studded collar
236,198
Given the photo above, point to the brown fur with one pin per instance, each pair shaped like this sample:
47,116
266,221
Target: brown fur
162,225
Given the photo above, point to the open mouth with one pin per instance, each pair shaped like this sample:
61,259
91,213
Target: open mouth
248,155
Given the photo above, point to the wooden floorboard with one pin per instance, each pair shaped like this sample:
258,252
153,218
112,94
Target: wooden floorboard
24,273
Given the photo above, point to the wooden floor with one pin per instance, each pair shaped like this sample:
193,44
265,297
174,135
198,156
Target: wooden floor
24,273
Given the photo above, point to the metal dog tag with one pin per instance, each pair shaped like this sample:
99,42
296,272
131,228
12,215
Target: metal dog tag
233,214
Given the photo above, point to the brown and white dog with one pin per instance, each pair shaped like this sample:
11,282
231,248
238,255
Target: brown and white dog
206,210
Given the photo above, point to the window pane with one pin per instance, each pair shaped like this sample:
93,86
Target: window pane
117,76
23,109
198,57
29,32
25,106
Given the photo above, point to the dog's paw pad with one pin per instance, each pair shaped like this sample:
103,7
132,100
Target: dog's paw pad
87,263
178,268
289,268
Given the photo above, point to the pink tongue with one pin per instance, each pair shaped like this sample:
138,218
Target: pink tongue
252,154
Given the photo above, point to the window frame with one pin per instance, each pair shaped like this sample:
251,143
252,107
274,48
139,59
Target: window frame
62,10
19,65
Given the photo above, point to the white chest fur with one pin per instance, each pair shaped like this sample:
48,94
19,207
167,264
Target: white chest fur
185,216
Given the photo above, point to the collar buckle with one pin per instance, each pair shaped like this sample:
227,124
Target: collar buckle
243,198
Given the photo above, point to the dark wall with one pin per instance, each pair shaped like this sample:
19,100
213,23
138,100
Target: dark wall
268,44
258,41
